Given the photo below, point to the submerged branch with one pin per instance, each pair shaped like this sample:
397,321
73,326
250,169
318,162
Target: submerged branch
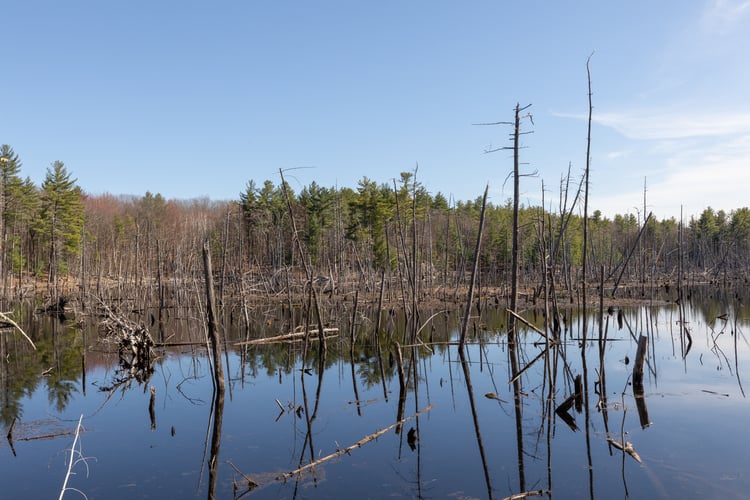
358,444
627,448
526,494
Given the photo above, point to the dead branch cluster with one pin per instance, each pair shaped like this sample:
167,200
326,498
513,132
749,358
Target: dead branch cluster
135,344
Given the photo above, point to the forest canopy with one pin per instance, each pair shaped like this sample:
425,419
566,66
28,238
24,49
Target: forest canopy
56,231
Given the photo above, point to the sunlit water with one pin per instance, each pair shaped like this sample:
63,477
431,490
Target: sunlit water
696,446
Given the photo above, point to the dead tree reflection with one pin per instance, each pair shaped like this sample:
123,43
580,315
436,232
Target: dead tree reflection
586,413
736,333
638,390
470,391
517,404
217,410
310,416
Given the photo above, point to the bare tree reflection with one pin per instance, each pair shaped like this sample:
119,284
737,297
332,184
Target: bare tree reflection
217,410
586,412
470,391
513,357
310,417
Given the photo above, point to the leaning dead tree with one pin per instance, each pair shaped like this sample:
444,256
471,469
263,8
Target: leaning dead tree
474,267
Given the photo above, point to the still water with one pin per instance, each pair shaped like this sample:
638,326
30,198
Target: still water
690,429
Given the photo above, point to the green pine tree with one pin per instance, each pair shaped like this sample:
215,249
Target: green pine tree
10,187
61,220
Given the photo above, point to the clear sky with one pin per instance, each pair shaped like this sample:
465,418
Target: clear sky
192,99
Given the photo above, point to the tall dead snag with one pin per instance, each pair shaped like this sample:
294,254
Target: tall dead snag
213,335
474,268
586,209
516,201
217,409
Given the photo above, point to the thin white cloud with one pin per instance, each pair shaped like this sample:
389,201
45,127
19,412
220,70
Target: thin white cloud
614,155
665,125
724,16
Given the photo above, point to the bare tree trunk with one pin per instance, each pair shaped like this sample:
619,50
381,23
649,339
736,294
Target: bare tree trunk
213,335
586,209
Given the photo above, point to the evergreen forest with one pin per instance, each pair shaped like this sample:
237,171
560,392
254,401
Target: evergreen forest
57,239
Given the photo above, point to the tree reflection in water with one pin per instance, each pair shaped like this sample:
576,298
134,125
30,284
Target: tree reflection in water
520,449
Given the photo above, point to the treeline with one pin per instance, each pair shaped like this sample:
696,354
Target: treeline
57,236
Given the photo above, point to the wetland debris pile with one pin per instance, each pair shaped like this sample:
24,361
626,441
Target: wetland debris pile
135,344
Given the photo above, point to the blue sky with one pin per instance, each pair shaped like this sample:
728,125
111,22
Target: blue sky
192,99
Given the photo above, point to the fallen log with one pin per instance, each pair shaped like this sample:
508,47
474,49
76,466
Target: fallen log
358,444
290,337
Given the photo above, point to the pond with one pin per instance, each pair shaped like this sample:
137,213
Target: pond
459,428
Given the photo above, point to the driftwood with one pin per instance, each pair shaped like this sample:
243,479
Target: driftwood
627,448
358,444
492,395
289,337
526,494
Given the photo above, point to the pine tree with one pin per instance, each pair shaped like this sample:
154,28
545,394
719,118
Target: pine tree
61,219
10,186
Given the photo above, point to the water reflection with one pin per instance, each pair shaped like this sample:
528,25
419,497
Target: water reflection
480,445
535,430
217,412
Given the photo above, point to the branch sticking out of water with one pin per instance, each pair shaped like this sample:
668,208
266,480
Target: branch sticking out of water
537,330
7,319
72,461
